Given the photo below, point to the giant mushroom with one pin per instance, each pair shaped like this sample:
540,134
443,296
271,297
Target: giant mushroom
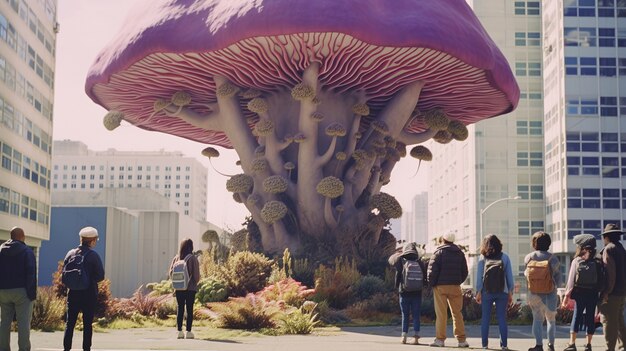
305,81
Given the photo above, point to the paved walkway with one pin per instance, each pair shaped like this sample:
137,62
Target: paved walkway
347,339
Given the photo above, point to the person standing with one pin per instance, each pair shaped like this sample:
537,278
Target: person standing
542,274
18,289
447,270
583,286
82,295
410,280
612,298
494,284
185,274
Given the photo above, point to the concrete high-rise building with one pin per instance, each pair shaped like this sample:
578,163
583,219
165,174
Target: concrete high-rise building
416,220
585,118
183,179
477,181
28,31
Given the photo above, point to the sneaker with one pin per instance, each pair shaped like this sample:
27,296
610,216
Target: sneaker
550,347
181,335
416,340
403,339
438,343
536,348
588,347
190,335
570,347
504,348
463,344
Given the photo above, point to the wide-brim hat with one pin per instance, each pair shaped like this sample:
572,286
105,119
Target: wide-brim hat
88,233
612,228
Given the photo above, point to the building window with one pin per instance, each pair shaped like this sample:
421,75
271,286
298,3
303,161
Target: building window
608,67
583,36
606,37
582,106
532,69
533,192
609,142
527,39
610,167
527,8
608,106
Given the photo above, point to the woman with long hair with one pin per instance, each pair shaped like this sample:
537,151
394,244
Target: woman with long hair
494,283
185,274
583,288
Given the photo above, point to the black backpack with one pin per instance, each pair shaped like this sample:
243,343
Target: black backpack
588,274
412,276
493,277
75,275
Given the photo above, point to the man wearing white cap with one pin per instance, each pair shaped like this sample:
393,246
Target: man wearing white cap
447,270
82,270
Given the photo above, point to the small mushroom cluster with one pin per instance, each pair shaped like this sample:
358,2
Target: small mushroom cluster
388,206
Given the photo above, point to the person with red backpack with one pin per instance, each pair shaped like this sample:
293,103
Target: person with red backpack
543,277
185,274
494,284
410,281
584,284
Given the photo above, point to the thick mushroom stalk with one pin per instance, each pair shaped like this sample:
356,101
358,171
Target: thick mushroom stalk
318,108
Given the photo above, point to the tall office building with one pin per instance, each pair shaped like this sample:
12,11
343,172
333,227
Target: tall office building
415,221
183,179
27,59
474,184
585,117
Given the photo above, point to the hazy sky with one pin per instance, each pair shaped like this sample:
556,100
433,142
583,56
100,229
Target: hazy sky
86,27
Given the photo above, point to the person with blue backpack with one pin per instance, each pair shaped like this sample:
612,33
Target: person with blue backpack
494,284
185,275
410,280
82,271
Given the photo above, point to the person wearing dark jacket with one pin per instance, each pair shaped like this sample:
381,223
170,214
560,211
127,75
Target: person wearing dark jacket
85,299
18,289
612,297
410,301
186,298
447,270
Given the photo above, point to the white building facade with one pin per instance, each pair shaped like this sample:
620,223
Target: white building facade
474,184
415,221
183,179
585,114
28,31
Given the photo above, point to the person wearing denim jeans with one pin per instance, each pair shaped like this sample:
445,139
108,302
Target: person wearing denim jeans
410,301
583,291
491,248
543,306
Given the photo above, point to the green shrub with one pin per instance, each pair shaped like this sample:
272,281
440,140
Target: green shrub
249,313
526,314
329,315
299,321
166,309
472,310
370,308
292,292
246,272
369,286
211,290
303,271
48,310
164,287
140,303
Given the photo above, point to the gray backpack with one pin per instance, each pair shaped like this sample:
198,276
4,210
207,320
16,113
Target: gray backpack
412,276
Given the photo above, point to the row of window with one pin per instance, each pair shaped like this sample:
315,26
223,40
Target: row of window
19,164
531,69
589,226
121,177
592,37
532,192
121,168
26,52
532,159
19,205
527,39
529,128
588,106
17,83
590,166
527,228
16,121
587,8
607,198
588,66
530,8
34,24
74,185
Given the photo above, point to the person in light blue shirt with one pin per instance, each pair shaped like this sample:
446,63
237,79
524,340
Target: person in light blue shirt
494,284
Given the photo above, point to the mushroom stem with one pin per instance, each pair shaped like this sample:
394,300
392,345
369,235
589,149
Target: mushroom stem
329,217
400,108
417,170
309,173
218,172
323,159
347,200
417,138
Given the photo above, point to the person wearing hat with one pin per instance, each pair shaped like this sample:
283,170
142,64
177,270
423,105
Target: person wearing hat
447,270
410,298
583,286
83,299
18,289
614,292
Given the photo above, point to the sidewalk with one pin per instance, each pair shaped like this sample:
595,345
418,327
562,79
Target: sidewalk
347,339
